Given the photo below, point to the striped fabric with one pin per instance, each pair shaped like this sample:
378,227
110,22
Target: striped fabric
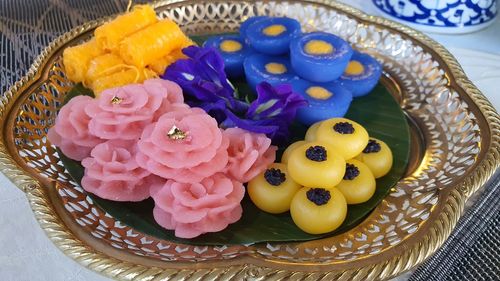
472,252
27,26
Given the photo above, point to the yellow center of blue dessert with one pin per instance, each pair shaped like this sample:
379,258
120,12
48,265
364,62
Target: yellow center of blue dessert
274,30
230,46
319,93
354,68
275,68
319,47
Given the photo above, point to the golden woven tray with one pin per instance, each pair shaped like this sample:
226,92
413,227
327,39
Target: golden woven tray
455,149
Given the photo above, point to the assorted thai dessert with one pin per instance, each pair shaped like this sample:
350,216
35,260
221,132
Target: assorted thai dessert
316,164
272,35
358,183
129,49
324,100
361,74
273,190
233,50
331,167
166,123
318,210
377,156
346,136
271,69
244,25
321,67
319,50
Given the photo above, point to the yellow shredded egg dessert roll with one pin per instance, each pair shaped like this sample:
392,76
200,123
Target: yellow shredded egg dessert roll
103,65
152,43
121,78
109,35
77,58
160,65
187,42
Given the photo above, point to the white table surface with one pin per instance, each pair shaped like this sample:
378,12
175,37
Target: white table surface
27,254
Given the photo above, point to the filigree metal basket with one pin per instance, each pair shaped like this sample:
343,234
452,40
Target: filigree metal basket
455,149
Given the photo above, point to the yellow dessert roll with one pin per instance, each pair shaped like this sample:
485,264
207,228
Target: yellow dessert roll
110,35
152,43
161,64
103,65
77,58
129,76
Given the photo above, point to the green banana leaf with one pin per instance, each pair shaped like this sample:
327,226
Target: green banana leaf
378,112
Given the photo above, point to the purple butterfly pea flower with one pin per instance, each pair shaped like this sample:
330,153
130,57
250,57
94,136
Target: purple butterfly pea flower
204,82
275,102
203,79
271,113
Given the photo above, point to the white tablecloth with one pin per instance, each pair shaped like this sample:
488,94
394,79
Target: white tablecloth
27,254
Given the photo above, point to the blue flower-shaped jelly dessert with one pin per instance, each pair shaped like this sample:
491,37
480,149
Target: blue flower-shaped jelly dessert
325,100
244,25
272,36
361,74
272,69
233,49
319,57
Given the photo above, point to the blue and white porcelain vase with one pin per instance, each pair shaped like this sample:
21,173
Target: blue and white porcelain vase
441,16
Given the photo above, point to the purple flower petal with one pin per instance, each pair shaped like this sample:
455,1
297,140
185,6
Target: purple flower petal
262,126
205,85
276,105
271,114
202,76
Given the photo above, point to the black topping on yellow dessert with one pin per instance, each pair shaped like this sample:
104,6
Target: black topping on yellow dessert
318,196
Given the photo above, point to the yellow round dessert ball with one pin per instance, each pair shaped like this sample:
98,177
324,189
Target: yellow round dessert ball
346,136
288,151
377,156
272,191
358,184
318,210
311,132
315,164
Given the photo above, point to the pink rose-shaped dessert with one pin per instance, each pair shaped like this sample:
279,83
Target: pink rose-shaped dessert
249,154
123,112
70,132
112,173
171,91
185,145
192,209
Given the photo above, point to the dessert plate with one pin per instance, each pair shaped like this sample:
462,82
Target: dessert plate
455,149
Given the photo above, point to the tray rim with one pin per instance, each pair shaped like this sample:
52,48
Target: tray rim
72,246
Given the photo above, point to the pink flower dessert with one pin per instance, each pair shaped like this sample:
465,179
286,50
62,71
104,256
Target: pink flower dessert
192,209
161,87
112,173
70,132
123,112
249,154
185,145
